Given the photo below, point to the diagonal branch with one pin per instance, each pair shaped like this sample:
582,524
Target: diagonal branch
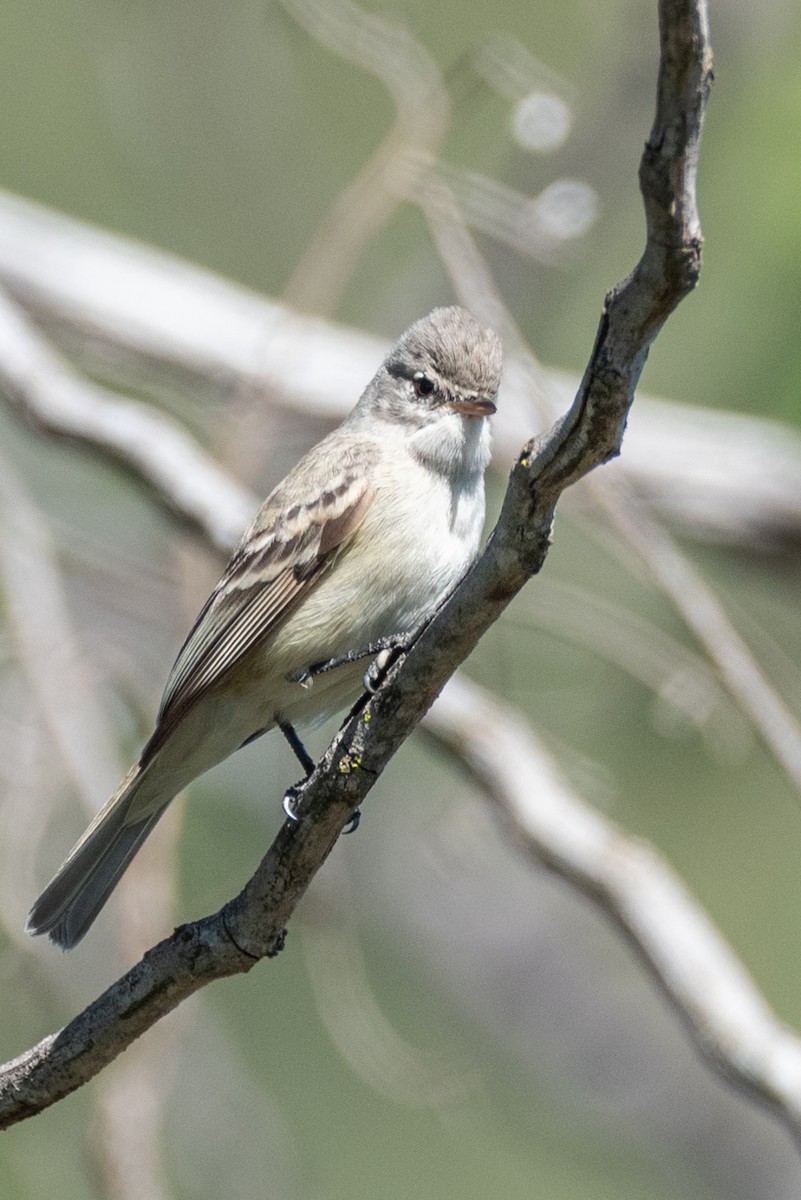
252,925
724,1013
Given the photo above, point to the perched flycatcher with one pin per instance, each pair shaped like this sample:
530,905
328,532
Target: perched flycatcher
356,546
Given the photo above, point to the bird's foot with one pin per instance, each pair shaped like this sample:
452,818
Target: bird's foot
288,805
378,670
379,650
354,822
288,802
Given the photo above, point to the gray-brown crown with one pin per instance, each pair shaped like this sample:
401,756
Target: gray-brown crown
450,344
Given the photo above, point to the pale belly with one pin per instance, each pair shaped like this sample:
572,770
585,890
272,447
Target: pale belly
382,587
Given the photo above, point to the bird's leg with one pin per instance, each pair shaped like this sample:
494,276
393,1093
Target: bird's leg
383,652
305,760
308,764
297,747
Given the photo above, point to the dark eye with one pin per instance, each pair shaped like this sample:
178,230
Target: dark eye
423,386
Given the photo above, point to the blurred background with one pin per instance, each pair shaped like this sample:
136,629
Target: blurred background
447,1019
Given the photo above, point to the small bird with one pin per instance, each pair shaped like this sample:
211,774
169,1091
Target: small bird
357,545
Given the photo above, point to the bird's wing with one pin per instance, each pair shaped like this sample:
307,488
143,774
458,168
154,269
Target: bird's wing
286,551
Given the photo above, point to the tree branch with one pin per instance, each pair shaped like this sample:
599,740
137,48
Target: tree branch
709,988
731,476
252,925
52,396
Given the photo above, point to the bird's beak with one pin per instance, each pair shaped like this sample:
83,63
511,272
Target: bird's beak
476,406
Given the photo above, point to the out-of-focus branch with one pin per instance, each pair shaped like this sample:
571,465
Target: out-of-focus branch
706,617
128,1106
422,110
708,986
252,925
354,1019
682,680
44,643
49,394
721,475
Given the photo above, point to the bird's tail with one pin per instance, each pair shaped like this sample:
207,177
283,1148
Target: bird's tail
84,882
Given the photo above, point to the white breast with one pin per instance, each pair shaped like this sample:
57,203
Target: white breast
429,516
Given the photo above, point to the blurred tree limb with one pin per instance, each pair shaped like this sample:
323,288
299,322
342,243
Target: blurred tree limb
252,925
724,1013
126,308
51,395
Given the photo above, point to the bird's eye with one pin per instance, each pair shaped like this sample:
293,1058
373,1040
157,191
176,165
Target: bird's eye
423,386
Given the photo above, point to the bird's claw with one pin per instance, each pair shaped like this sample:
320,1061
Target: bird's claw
354,822
288,803
376,673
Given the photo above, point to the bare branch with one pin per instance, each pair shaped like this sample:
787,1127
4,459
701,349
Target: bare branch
252,925
727,1017
164,310
422,112
45,643
51,395
705,615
